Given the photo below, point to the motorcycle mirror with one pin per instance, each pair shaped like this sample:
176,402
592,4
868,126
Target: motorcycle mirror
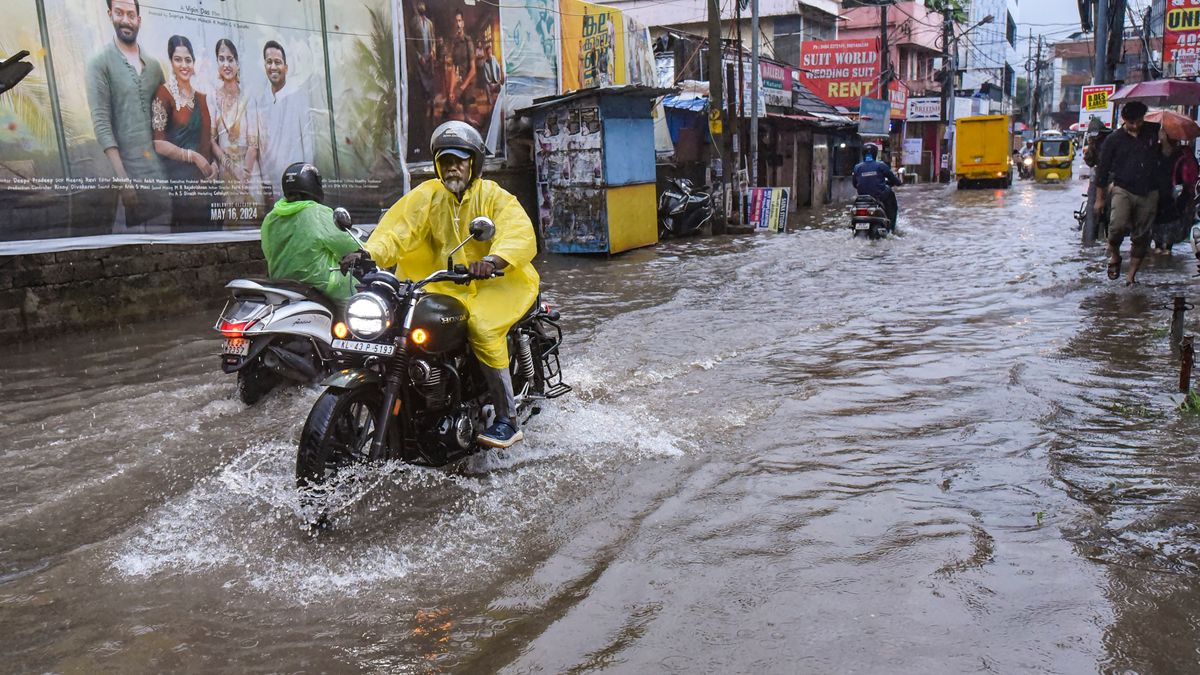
482,228
341,217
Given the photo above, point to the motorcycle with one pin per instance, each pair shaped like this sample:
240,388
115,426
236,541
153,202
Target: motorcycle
1025,168
411,389
277,330
868,217
681,210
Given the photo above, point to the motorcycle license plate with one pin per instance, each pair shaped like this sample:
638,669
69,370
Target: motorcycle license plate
861,226
237,346
364,347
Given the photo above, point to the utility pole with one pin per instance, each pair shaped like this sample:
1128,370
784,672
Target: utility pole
1029,79
885,68
948,83
716,100
1036,101
1099,73
754,102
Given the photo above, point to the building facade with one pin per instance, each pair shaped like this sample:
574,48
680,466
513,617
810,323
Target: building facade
987,55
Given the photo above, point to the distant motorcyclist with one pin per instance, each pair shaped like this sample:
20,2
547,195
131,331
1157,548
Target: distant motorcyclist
421,229
300,240
875,178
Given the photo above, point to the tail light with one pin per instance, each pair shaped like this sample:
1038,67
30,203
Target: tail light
234,329
862,212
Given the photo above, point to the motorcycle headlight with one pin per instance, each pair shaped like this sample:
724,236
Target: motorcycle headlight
368,316
1028,162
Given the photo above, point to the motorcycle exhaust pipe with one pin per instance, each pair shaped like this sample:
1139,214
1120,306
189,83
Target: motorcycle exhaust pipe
290,365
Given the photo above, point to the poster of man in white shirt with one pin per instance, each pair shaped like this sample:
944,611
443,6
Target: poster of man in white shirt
286,121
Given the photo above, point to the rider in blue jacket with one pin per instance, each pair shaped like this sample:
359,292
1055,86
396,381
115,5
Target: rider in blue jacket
875,178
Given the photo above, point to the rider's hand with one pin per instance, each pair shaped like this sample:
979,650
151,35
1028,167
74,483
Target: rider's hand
482,269
354,260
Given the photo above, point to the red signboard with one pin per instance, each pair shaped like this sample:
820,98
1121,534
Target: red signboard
840,72
1181,37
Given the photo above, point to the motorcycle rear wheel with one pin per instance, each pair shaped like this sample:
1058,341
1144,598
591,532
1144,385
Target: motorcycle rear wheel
254,381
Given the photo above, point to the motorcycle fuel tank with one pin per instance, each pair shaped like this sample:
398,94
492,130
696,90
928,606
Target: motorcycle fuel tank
443,318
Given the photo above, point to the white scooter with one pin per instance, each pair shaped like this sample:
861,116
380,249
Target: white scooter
278,331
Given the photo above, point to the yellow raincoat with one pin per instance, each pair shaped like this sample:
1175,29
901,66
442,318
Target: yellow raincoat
421,229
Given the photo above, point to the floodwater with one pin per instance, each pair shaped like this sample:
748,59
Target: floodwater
954,451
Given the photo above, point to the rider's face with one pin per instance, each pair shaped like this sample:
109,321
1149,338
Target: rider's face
455,171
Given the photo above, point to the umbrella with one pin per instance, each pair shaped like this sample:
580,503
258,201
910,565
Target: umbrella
1179,127
1160,92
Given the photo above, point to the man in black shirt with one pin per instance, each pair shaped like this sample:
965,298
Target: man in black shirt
1130,159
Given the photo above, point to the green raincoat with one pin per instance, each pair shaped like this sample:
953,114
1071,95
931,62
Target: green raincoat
421,229
301,243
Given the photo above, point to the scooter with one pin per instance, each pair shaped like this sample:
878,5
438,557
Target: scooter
1025,168
277,331
681,210
868,217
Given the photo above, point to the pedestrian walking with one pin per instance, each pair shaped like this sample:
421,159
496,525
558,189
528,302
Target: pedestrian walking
1176,194
1130,160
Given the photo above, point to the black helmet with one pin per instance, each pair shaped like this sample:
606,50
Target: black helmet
871,150
459,139
302,181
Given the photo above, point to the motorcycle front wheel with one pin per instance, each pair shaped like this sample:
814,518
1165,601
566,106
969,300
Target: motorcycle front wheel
336,435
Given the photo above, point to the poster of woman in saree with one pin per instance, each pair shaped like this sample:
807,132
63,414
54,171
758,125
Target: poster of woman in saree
183,137
234,131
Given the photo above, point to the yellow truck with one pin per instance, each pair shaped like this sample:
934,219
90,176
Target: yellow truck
982,151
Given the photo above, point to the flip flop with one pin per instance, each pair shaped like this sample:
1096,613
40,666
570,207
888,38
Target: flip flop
1114,268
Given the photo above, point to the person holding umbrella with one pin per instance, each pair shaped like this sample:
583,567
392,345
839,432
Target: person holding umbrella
1177,187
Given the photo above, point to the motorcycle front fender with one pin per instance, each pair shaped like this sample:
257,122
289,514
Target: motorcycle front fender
353,378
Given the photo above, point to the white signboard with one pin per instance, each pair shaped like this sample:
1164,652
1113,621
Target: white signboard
924,109
912,151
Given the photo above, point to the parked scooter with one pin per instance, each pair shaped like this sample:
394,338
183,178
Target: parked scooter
1025,168
681,210
869,218
277,331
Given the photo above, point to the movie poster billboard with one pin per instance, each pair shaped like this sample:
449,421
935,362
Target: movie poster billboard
455,70
593,46
639,54
840,72
177,117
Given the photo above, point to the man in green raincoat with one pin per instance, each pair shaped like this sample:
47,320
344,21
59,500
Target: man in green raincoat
418,233
301,241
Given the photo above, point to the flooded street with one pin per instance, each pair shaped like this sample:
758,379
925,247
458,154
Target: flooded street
954,451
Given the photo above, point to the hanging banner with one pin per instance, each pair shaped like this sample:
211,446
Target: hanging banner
840,72
766,208
593,46
455,71
177,118
1181,34
531,53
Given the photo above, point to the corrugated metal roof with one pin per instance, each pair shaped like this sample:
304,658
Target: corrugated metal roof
622,90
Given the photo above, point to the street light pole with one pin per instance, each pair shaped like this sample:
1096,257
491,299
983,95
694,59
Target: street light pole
754,102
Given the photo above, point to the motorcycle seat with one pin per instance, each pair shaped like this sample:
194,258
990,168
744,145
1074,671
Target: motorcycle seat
309,292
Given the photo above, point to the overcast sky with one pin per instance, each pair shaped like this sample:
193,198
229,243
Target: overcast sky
1055,19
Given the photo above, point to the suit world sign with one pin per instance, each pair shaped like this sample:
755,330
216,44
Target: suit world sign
840,72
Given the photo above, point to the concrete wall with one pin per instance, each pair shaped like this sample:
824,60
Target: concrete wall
77,290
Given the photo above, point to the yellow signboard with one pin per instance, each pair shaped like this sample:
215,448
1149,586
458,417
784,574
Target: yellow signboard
715,127
1096,98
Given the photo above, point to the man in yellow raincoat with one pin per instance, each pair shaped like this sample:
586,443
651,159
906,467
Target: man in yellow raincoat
420,230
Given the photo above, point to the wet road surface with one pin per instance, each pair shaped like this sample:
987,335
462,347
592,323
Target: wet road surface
953,451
